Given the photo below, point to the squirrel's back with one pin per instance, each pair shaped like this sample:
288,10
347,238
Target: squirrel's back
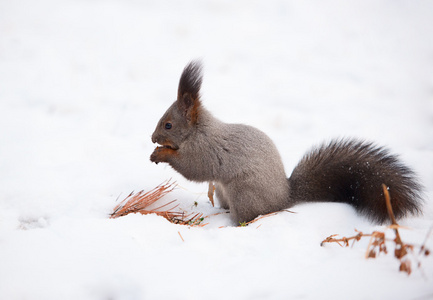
353,172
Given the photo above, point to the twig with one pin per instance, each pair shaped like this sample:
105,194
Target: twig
423,248
181,236
210,192
390,213
345,240
267,215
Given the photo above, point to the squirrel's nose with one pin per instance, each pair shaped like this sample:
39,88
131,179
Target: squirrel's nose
154,138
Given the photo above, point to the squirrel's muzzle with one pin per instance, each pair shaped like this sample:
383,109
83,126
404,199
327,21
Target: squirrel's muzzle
163,142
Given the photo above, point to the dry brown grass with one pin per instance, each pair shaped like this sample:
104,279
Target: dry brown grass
377,243
141,202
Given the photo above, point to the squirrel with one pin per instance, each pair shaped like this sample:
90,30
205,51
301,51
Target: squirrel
248,172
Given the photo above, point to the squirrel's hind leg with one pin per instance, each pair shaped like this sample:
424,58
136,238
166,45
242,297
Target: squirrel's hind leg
244,201
221,196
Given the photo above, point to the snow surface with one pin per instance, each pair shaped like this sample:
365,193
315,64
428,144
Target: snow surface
83,83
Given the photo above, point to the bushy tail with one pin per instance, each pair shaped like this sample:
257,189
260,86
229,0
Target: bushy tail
353,172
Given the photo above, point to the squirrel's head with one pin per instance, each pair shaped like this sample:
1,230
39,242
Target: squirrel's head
181,118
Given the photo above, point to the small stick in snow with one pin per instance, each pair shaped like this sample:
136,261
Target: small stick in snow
210,192
181,236
391,214
265,216
344,240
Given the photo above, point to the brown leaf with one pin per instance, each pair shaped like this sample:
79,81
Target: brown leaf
405,266
371,254
400,251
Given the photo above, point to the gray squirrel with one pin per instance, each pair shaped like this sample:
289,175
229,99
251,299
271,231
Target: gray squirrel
249,174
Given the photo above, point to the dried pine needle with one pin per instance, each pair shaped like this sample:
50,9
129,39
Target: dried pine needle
141,202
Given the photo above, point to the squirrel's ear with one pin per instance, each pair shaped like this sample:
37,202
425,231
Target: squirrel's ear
188,96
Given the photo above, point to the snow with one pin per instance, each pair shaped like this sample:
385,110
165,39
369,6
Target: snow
83,83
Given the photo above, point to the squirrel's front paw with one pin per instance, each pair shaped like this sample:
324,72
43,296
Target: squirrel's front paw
162,154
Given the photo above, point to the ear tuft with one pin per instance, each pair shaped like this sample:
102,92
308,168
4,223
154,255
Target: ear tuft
190,81
188,96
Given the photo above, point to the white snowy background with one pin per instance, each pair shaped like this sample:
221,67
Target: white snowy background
83,83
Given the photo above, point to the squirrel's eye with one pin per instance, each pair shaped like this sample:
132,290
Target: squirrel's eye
168,125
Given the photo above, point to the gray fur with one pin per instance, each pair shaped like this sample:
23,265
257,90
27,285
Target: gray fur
248,172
